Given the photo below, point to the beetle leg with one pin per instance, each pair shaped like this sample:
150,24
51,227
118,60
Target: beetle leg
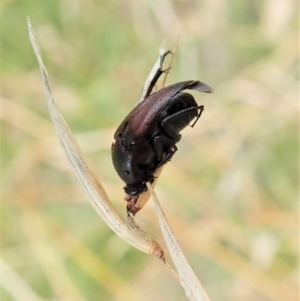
168,156
200,110
167,124
158,148
162,156
158,73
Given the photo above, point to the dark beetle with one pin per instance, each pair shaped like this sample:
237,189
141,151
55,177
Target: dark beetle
147,137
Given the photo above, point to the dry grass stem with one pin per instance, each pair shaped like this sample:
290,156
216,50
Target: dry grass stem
191,284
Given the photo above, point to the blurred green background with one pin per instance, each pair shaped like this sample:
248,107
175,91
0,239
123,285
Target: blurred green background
230,192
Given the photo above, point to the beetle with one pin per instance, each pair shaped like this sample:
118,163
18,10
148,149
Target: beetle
147,137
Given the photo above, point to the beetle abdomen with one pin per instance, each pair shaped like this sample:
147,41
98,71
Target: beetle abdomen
181,102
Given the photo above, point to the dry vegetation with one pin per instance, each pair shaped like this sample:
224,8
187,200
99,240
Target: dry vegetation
230,193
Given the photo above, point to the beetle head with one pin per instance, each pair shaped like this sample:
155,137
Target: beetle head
137,189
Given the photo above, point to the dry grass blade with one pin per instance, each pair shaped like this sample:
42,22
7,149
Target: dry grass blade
192,286
130,232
